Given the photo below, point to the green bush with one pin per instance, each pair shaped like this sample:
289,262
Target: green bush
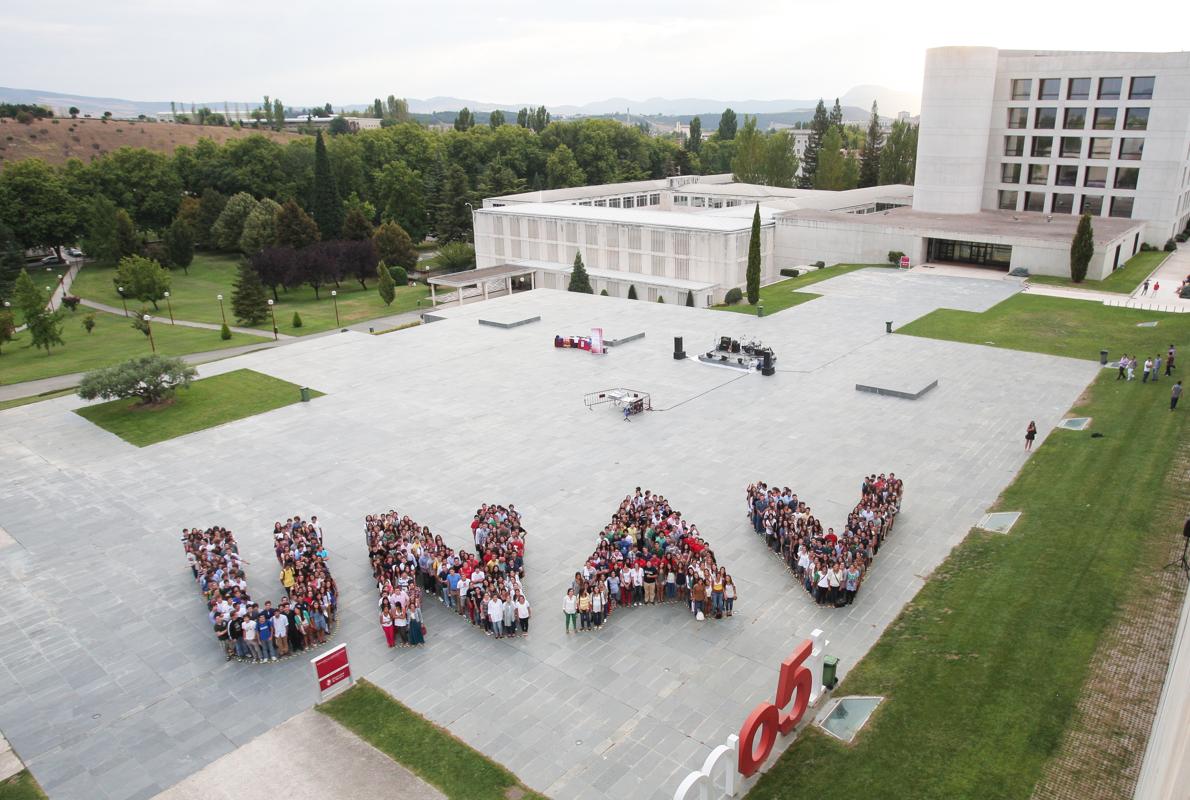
660,299
819,264
399,274
1145,247
894,256
1170,246
791,273
297,320
89,323
733,296
603,292
150,378
225,332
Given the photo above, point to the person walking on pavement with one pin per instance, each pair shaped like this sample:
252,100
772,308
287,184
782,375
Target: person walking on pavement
1174,394
1030,435
1145,288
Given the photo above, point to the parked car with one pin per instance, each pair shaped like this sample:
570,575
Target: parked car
50,261
74,252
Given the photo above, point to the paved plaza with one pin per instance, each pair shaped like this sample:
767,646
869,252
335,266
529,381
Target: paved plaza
111,683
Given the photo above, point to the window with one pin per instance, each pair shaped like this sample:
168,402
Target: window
1048,88
1039,174
1021,87
1095,177
1141,89
1100,148
1066,176
642,200
1092,204
1007,200
1126,177
1109,88
1035,201
1018,117
655,199
1075,118
1121,207
681,200
1046,118
1072,147
1010,173
1043,146
1131,149
1078,89
1062,204
601,203
613,203
1014,145
1136,119
1105,119
627,202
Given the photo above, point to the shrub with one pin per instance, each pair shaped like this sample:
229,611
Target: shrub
225,332
791,273
151,378
1170,246
399,275
385,285
297,320
89,323
819,264
1145,247
660,299
894,256
632,291
71,302
603,293
733,296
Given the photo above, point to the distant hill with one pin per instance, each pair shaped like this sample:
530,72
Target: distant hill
56,140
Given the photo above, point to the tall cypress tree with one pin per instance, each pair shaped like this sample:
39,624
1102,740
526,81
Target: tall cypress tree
727,125
818,128
326,207
1082,248
579,280
452,220
754,260
837,115
869,160
249,302
695,139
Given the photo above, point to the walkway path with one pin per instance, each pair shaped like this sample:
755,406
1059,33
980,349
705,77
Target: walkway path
207,326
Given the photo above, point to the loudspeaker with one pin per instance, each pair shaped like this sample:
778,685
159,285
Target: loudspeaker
679,353
768,369
725,343
735,346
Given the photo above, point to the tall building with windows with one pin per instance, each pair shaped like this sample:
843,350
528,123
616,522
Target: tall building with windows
1105,134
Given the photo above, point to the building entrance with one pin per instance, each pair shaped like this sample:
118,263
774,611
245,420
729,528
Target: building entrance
981,254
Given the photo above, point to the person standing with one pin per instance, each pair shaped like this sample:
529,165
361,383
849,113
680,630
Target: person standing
1146,368
1123,365
1174,394
584,609
1169,359
1131,367
264,632
250,640
1156,366
729,594
416,631
496,614
1145,289
570,610
401,624
1030,435
523,612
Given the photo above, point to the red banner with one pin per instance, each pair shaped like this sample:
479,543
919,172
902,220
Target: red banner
331,667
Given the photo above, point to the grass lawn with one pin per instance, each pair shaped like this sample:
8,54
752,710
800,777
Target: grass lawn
1123,281
428,751
113,340
1058,326
784,294
21,786
207,403
984,668
194,296
37,398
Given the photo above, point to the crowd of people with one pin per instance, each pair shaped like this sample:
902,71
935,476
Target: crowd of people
647,554
409,563
248,631
1150,367
830,566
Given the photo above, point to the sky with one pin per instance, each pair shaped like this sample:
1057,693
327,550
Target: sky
554,52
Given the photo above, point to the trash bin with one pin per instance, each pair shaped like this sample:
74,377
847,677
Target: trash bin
760,310
888,327
305,392
829,665
1103,358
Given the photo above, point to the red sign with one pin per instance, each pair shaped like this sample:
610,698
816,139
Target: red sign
331,668
794,683
904,262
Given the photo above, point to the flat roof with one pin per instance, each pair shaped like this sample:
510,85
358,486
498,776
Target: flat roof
470,277
602,189
616,275
1049,228
627,216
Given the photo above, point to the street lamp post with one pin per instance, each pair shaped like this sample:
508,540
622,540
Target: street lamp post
170,306
149,330
221,312
273,314
120,289
51,291
335,300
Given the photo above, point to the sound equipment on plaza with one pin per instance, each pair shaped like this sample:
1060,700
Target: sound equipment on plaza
679,353
743,354
1182,563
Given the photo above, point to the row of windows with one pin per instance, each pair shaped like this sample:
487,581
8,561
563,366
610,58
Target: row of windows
1075,118
1062,203
1067,175
637,201
1098,147
703,202
1140,88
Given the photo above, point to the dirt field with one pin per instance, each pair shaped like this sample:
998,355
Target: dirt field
59,139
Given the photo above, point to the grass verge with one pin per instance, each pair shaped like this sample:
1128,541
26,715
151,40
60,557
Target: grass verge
36,398
207,403
193,297
784,294
1122,281
21,786
1057,326
984,668
425,749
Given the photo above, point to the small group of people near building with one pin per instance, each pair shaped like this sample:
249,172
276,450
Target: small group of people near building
648,554
410,563
258,632
1149,367
830,565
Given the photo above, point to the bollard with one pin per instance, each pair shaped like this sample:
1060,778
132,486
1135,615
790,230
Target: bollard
305,393
888,327
1103,358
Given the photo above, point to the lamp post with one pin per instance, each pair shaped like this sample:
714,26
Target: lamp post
51,291
335,300
273,314
170,306
219,297
124,302
149,330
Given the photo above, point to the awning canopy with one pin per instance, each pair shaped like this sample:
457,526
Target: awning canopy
474,277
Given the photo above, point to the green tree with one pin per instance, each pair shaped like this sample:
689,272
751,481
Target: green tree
151,379
295,228
210,206
229,228
386,286
694,140
8,327
898,158
326,207
142,278
401,197
99,231
45,329
539,119
278,115
338,126
818,128
179,244
89,323
836,117
579,280
464,120
27,297
869,160
260,227
727,125
455,257
296,322
12,261
1082,248
496,118
748,163
562,169
498,180
452,222
356,226
142,182
632,291
393,245
753,274
522,118
836,171
690,298
780,160
249,301
127,239
37,205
